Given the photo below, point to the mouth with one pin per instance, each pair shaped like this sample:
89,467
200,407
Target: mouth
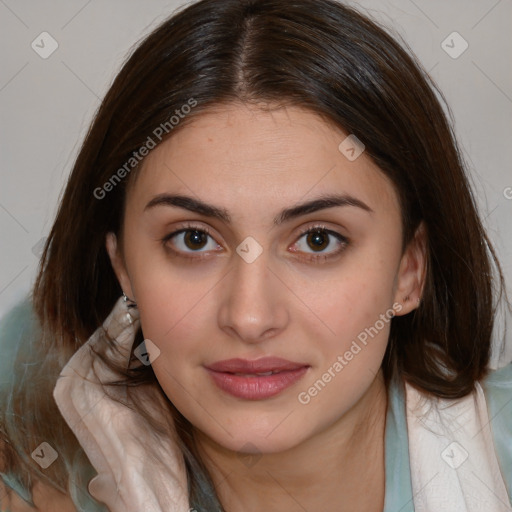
257,379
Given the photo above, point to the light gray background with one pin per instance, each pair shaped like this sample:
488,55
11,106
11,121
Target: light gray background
47,104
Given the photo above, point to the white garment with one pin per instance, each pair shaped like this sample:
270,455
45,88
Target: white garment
452,457
139,471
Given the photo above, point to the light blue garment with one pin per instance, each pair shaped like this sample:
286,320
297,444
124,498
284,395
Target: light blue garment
20,353
398,473
498,392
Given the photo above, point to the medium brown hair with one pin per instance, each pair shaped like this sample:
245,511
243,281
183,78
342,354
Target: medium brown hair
325,57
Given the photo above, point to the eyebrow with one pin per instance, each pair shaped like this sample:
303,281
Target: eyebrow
209,210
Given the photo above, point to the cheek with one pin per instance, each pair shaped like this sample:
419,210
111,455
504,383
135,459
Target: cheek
170,322
354,299
174,316
358,311
174,321
168,295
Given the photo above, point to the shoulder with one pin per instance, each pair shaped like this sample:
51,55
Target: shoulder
15,343
497,388
14,496
27,412
16,338
46,499
11,502
500,377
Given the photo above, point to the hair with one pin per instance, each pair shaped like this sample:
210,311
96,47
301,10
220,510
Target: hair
337,63
29,417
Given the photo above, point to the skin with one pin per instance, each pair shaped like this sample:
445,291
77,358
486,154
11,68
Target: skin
277,453
45,498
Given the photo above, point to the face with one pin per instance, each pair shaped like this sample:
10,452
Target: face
271,319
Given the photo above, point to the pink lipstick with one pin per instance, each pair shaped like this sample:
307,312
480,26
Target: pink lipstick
257,379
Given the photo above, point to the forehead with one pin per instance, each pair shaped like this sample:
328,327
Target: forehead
254,161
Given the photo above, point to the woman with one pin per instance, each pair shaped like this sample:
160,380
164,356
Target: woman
271,199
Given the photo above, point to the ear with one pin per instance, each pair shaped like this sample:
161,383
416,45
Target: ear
118,264
412,272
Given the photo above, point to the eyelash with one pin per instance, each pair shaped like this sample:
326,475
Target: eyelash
318,258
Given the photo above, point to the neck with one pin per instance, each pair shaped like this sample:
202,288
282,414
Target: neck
330,471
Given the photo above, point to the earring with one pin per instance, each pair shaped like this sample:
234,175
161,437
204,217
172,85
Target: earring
129,302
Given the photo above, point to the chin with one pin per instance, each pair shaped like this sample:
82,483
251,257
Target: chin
249,438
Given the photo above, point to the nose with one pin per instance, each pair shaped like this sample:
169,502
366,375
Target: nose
253,307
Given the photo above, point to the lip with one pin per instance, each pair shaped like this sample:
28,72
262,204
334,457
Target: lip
242,377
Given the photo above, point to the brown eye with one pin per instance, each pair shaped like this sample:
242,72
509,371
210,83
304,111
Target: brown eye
316,241
189,240
195,239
